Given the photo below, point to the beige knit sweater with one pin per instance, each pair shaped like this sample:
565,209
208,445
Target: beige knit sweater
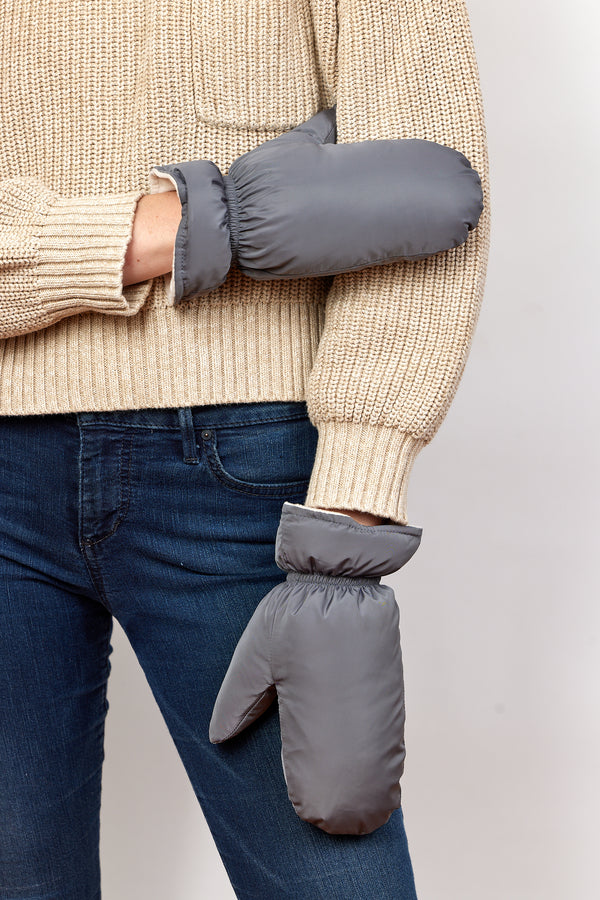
93,94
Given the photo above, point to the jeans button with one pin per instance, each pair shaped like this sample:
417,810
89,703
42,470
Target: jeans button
206,434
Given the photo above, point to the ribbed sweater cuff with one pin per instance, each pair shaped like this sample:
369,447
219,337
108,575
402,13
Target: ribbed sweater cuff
81,246
363,467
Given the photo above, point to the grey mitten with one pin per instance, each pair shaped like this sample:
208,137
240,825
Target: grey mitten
301,205
326,642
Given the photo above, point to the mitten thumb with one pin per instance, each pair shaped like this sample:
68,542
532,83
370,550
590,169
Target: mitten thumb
320,129
247,689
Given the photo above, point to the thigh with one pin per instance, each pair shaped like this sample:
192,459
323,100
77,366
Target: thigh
186,568
54,647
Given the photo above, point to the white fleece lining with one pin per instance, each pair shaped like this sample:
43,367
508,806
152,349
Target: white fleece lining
333,513
161,183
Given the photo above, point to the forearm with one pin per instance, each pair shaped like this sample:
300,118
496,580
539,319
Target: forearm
150,250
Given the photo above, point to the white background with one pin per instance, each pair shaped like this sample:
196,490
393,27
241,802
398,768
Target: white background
499,608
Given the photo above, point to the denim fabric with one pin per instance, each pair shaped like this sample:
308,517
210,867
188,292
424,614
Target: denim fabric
166,519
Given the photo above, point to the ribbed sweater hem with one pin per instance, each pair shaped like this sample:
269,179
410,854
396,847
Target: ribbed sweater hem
163,356
167,357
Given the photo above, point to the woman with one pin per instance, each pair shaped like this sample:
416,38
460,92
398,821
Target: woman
147,447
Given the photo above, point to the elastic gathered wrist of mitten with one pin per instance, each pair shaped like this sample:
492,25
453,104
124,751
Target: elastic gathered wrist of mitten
334,579
234,215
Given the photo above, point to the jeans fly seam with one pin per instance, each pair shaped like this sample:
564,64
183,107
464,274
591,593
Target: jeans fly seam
124,482
95,573
89,542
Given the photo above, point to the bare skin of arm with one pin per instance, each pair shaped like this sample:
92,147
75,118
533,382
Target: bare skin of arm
150,250
364,518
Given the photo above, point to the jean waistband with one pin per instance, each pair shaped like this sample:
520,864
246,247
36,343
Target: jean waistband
204,415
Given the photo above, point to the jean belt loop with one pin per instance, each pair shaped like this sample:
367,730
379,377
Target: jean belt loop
188,435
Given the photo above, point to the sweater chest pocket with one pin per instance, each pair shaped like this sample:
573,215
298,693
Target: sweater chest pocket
254,63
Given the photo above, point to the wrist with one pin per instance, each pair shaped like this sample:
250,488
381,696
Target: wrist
150,250
363,518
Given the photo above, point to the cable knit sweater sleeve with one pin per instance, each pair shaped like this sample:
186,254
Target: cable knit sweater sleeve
396,338
60,256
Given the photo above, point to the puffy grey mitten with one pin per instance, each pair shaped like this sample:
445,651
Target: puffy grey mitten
326,641
301,205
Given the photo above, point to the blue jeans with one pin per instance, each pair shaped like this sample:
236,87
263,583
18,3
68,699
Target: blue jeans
166,519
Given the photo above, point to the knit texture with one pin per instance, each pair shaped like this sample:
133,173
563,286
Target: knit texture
93,95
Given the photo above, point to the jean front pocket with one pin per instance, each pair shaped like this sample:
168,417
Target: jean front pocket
272,457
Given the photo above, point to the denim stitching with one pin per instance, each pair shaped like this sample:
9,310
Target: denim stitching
247,487
119,425
122,512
